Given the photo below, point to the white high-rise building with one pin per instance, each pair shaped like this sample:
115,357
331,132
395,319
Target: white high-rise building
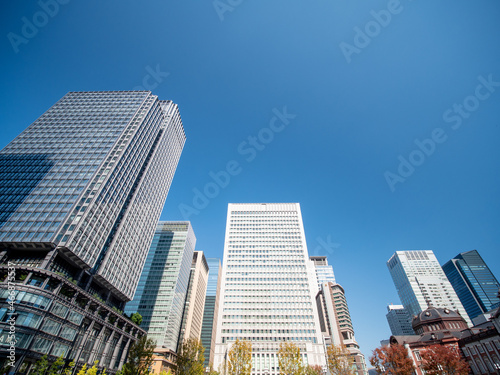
268,286
399,320
421,282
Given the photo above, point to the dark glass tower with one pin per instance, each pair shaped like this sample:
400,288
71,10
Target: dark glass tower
81,192
476,286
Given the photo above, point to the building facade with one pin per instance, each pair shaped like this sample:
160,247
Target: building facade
475,285
192,318
399,320
336,324
81,191
163,285
209,326
421,282
324,272
268,286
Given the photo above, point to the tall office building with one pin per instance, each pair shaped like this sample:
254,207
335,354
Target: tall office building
475,285
421,282
81,191
163,285
336,324
399,321
192,318
211,310
324,272
268,286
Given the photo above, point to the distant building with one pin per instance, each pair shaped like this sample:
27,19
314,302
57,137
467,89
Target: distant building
421,282
336,324
475,285
209,326
163,285
192,318
399,320
324,272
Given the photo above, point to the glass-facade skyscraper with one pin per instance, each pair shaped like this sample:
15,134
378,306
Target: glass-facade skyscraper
324,272
421,282
210,312
81,192
268,286
475,284
399,321
163,285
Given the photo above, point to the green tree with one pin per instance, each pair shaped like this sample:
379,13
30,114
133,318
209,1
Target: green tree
211,370
290,360
136,318
393,360
69,370
41,366
240,358
93,369
314,370
190,358
338,360
56,367
140,357
83,370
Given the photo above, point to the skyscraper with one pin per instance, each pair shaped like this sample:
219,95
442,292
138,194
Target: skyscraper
324,272
268,286
399,321
474,283
421,282
163,285
208,330
192,318
336,324
81,191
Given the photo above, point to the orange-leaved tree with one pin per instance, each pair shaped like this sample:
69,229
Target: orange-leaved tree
443,360
392,360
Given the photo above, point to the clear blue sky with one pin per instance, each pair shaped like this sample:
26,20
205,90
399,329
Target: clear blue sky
354,119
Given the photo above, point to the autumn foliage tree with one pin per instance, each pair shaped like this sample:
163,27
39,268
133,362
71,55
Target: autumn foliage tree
443,360
240,358
337,357
290,360
392,360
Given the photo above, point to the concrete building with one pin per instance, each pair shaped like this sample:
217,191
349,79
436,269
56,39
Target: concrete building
164,281
421,282
192,318
336,324
210,313
399,320
81,191
475,285
268,286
